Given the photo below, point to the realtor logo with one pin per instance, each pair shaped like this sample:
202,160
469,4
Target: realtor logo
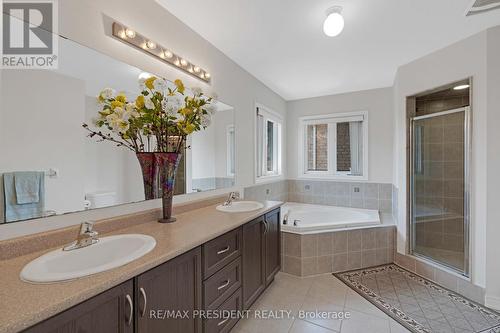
29,34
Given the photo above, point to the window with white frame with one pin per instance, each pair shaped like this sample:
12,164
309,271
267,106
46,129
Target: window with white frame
268,136
334,146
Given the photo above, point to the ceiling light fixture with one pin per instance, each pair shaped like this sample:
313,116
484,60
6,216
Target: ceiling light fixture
461,87
141,42
334,22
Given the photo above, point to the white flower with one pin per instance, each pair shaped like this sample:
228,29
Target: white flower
116,122
171,105
107,93
148,103
211,109
214,97
206,120
160,85
142,83
131,110
197,91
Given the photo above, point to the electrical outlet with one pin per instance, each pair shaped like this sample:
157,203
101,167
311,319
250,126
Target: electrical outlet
307,187
268,191
356,189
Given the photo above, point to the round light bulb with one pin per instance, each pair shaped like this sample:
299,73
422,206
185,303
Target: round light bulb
177,63
130,33
196,69
151,45
190,69
184,62
334,22
168,54
207,75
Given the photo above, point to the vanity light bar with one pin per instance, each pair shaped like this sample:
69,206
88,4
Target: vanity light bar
143,43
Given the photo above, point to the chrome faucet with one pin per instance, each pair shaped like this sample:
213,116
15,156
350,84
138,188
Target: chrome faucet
87,236
285,218
232,196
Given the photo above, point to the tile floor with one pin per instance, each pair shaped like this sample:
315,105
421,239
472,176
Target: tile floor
321,293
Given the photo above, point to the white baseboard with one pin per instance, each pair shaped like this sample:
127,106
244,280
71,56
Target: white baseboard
492,302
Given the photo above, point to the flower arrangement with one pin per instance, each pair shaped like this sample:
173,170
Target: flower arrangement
158,120
154,126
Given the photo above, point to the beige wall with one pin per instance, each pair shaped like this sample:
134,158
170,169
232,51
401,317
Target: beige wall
378,103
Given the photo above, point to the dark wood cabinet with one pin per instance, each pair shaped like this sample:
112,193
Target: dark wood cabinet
254,279
261,255
169,290
111,311
227,273
272,253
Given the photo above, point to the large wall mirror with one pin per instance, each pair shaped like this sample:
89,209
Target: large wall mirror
41,117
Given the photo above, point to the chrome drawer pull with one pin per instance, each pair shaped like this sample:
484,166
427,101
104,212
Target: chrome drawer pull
143,292
223,322
224,285
223,250
131,313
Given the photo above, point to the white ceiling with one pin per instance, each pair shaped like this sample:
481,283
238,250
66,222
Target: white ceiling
281,42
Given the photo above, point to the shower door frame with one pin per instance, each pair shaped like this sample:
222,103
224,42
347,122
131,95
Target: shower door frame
467,189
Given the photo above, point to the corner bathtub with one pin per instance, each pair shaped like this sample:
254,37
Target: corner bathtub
311,219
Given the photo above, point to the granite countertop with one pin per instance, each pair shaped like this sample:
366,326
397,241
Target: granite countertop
24,304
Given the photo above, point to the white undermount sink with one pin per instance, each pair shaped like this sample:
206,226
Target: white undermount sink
110,252
240,206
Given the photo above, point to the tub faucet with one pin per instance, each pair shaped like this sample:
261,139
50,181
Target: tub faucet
87,236
232,196
285,219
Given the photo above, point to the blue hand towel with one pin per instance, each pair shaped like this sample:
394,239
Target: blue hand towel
27,185
15,211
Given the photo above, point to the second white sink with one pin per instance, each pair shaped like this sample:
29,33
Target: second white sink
110,252
240,206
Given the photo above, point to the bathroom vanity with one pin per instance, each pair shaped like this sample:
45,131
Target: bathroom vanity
228,272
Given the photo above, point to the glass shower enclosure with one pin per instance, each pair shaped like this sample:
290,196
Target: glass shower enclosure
439,196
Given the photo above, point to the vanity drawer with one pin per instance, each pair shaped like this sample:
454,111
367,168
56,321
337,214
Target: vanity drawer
221,285
223,325
220,251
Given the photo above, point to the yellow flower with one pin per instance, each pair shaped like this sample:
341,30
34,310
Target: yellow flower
187,128
179,85
121,97
149,82
116,104
139,101
186,111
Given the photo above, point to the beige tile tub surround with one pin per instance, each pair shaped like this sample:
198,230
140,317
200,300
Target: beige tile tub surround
320,192
441,276
337,251
36,242
24,304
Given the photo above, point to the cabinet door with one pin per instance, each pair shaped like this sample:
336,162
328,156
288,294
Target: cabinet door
109,312
273,244
254,280
168,295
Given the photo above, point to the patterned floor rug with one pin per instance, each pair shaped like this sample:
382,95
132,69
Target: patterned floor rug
419,304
